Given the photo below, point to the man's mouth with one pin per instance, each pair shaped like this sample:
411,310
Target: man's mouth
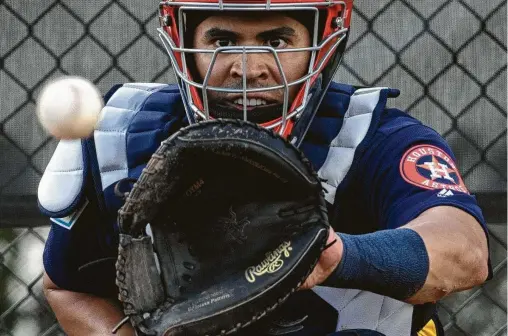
250,103
253,102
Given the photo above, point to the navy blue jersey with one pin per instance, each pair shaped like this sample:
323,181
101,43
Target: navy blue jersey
401,169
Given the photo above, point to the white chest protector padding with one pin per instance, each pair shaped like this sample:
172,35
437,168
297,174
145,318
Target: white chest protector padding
62,181
359,309
111,133
357,122
365,310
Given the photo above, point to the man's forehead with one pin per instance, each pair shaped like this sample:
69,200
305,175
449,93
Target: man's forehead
260,19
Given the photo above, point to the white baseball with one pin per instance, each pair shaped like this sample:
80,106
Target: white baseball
69,107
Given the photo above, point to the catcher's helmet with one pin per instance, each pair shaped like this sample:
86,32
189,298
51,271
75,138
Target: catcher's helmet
329,27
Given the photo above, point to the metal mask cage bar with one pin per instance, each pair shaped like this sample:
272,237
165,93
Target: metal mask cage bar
183,74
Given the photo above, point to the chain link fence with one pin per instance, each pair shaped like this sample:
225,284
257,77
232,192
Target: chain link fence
447,56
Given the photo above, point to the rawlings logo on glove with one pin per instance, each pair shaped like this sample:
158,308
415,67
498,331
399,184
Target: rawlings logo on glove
271,264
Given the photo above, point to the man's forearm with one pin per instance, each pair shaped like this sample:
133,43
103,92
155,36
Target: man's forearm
442,251
84,314
457,248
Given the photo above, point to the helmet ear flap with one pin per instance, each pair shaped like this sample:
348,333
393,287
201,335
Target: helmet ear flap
320,83
317,93
190,21
170,23
167,21
188,39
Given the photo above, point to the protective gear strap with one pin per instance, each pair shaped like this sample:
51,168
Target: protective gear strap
393,263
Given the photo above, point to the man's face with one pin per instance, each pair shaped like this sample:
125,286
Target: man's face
261,29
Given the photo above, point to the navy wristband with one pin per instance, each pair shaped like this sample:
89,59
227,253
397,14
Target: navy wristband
393,263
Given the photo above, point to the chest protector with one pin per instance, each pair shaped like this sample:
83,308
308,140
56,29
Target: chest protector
137,117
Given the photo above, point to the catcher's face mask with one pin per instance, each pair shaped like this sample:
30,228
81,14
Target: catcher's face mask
289,95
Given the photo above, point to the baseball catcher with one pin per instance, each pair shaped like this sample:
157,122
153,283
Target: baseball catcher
211,231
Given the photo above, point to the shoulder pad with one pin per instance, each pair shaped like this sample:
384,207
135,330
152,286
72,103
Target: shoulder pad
61,186
111,132
360,122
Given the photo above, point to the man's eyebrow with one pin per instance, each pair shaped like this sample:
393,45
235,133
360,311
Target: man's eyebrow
281,31
215,32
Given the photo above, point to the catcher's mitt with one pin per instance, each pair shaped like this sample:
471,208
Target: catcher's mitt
238,222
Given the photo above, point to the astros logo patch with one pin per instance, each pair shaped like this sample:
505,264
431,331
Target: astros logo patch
430,167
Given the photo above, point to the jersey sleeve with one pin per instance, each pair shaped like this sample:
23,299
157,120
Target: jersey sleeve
410,170
81,250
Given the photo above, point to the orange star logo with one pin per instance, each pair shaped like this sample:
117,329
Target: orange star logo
436,167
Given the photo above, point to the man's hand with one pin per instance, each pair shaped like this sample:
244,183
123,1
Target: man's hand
328,262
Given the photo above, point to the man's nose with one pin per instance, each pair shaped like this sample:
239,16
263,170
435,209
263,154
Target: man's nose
256,66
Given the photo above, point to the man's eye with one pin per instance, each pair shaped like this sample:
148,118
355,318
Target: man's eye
224,43
277,43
